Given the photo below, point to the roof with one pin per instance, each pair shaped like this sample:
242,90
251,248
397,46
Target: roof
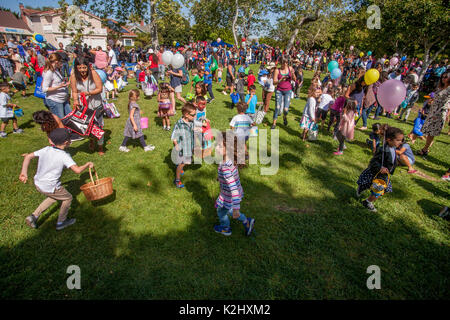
9,20
32,12
125,30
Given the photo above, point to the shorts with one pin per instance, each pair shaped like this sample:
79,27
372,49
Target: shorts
19,86
229,82
321,114
6,120
178,89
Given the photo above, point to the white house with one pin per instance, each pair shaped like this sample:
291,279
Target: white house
47,24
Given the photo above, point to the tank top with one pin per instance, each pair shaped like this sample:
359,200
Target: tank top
286,84
94,101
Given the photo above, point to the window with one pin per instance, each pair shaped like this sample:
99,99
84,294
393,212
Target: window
128,42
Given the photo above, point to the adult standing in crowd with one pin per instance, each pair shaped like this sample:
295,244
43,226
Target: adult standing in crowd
112,58
230,77
175,83
101,58
86,80
282,79
5,63
437,115
161,65
55,87
64,61
153,59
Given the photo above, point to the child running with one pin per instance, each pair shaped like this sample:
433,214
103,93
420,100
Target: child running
52,160
231,192
183,141
133,126
384,162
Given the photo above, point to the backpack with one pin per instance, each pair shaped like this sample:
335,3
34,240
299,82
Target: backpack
185,77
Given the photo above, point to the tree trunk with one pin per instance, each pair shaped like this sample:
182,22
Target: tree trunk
234,24
427,61
153,25
303,20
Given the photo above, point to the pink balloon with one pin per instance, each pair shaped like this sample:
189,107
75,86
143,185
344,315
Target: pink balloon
351,48
394,61
391,94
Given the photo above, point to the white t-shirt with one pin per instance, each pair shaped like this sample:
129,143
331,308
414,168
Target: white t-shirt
50,165
241,124
112,54
325,101
5,112
310,108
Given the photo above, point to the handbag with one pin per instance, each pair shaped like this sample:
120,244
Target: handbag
38,89
260,114
83,121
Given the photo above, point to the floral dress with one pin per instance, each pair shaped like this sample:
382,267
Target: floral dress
438,112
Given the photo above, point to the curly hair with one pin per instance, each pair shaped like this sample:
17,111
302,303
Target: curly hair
46,120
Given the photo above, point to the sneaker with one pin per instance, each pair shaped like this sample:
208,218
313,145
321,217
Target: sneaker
273,127
124,149
65,223
224,93
369,205
178,184
446,177
344,147
18,131
3,134
226,231
249,226
363,128
168,128
164,128
334,137
31,221
211,100
149,148
285,121
338,153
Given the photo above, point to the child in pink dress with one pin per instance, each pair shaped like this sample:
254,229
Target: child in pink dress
346,125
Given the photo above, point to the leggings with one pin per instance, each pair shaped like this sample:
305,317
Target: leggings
341,140
141,140
334,115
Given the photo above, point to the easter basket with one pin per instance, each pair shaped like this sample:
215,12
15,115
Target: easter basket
379,185
99,189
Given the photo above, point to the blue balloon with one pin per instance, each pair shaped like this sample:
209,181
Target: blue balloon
102,75
332,65
39,38
177,44
215,49
336,73
403,58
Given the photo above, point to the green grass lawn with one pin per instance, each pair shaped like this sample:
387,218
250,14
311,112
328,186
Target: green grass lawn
313,239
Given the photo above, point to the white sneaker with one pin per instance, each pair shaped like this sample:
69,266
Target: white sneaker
165,128
149,148
3,134
168,128
224,93
124,149
344,147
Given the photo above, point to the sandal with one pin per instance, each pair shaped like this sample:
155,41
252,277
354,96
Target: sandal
412,171
422,153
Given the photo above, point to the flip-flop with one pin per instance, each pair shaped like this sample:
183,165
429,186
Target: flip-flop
413,171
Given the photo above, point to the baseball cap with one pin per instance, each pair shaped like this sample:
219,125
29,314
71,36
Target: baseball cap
150,51
59,136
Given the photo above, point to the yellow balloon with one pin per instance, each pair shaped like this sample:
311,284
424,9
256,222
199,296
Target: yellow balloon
361,54
371,76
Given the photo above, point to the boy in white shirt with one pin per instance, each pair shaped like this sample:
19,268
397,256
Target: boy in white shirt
52,160
326,100
6,111
241,123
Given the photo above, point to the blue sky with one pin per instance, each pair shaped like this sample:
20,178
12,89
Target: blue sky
14,6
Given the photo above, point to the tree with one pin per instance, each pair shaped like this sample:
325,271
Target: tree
302,12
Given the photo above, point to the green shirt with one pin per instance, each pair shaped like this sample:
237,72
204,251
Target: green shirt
196,80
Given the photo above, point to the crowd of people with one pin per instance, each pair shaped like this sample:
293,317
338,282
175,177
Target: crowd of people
88,76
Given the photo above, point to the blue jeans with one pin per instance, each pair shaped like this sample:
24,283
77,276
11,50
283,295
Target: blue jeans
224,219
58,108
283,100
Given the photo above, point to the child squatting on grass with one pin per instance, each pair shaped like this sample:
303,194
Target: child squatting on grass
52,160
383,162
231,192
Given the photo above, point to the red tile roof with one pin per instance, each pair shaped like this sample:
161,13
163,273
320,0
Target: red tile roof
9,20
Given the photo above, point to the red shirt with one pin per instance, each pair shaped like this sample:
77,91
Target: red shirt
142,76
250,80
152,63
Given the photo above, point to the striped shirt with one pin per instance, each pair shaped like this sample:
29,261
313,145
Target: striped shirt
241,124
231,192
183,133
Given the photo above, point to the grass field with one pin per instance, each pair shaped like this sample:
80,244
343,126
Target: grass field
313,239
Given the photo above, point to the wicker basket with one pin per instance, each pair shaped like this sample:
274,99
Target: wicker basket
96,190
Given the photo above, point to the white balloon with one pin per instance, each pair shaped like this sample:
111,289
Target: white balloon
218,40
177,61
167,57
